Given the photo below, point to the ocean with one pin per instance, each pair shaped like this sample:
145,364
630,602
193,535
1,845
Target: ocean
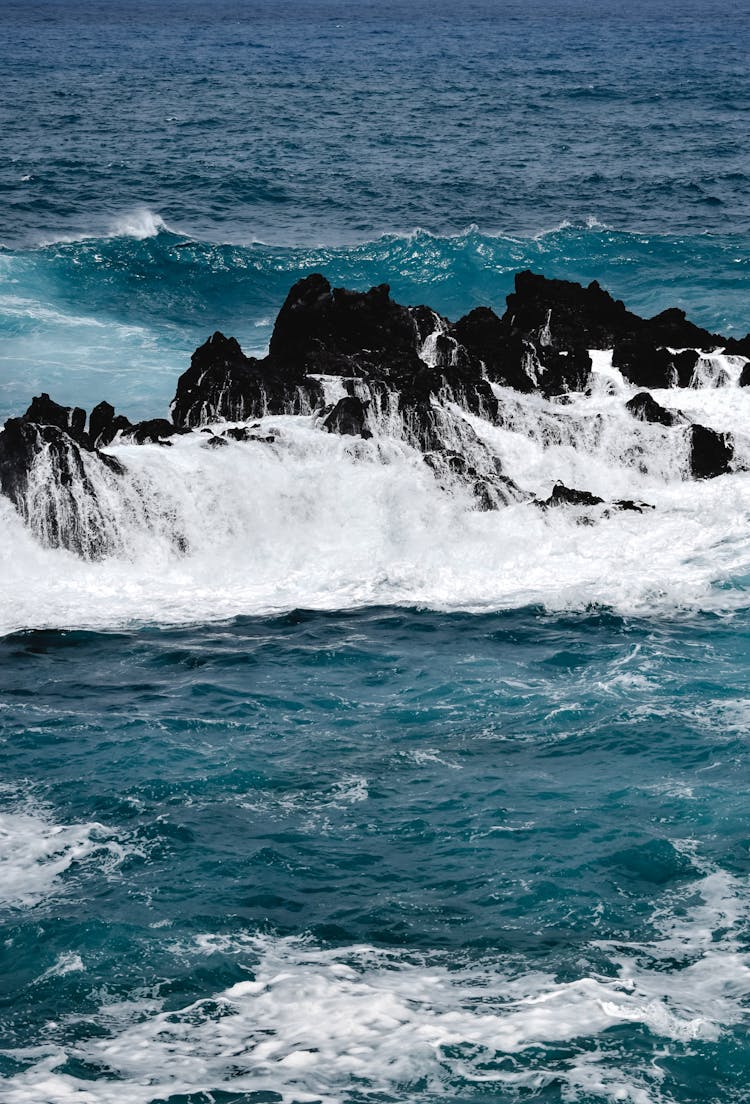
357,794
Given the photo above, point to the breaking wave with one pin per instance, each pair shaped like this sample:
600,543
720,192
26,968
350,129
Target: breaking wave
312,519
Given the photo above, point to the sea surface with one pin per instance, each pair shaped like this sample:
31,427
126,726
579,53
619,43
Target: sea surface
362,796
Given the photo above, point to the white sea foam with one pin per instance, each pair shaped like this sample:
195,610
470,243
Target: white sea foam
332,1025
140,223
35,852
321,521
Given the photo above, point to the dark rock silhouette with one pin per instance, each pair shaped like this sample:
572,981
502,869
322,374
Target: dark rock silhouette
406,371
152,431
711,453
71,419
647,365
349,416
645,407
70,517
100,420
222,383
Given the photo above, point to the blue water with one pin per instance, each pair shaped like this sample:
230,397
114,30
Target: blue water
508,797
385,854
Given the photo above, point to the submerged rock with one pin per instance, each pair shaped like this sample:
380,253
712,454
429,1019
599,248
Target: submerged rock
349,416
569,496
645,407
214,442
711,453
152,431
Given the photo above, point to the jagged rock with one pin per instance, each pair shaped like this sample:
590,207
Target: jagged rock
520,350
100,420
340,332
61,507
244,433
408,368
711,453
349,416
45,411
222,383
505,357
119,424
647,365
737,346
645,407
562,313
673,329
152,431
569,496
745,375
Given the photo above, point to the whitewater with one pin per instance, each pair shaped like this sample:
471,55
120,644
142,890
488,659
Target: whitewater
320,783
317,521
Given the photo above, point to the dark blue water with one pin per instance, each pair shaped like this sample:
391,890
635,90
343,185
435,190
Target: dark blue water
516,847
384,855
327,121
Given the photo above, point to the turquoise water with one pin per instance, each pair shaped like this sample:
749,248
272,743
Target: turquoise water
372,798
119,317
462,857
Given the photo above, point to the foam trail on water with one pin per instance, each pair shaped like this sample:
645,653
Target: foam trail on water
35,852
336,1025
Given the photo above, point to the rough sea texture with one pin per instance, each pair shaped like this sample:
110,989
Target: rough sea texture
372,799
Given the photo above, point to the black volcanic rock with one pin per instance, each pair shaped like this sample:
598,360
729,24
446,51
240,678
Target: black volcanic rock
223,383
569,496
645,408
339,332
505,357
152,431
564,314
100,420
648,365
673,329
119,424
711,453
737,346
522,349
215,442
69,516
45,411
245,433
407,368
349,416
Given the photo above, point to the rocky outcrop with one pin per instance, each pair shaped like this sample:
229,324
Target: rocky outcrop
152,431
349,416
711,453
43,471
647,365
569,496
223,383
645,408
396,371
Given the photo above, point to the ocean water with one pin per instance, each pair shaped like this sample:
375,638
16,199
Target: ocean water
325,787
